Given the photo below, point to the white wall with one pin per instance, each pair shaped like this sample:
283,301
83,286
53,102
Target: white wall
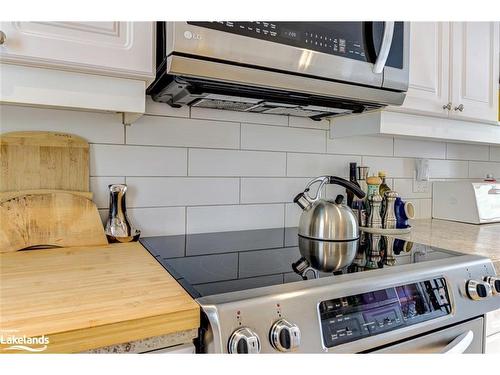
198,170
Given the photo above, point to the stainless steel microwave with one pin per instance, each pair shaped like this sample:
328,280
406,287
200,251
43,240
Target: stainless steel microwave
312,69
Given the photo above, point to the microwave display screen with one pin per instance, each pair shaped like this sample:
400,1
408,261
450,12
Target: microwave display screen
354,40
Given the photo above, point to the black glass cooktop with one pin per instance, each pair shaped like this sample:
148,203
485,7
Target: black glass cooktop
212,263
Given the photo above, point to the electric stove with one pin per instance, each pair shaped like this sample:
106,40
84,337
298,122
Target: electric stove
254,299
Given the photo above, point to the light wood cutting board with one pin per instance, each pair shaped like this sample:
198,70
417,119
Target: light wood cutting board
43,160
50,219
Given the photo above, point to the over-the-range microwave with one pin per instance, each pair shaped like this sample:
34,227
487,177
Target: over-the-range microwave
311,69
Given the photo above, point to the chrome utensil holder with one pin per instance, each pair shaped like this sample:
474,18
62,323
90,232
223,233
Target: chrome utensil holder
118,226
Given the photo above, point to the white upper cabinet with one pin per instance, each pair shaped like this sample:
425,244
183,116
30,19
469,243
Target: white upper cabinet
475,71
428,90
103,66
454,70
123,49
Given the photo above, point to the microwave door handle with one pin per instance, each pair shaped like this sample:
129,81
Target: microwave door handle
385,47
460,344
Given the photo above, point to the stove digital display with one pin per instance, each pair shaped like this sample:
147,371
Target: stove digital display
354,317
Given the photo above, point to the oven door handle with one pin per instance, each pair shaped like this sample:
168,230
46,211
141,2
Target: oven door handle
460,344
385,47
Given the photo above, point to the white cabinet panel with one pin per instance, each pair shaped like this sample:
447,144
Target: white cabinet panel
475,71
493,322
493,344
124,49
429,60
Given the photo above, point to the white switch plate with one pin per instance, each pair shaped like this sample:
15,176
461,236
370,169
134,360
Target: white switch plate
421,186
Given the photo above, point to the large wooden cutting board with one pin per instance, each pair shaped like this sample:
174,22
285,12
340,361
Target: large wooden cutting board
50,219
43,160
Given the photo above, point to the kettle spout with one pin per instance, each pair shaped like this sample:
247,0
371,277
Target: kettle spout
302,200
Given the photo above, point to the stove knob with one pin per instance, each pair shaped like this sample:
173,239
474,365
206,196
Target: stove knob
494,283
284,336
244,341
477,290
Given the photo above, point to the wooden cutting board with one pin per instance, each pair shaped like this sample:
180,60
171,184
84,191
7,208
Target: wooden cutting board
83,298
43,160
51,219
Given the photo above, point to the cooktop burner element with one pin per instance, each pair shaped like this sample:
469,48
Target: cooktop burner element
213,263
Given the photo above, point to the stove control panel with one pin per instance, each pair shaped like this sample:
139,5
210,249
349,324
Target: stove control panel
477,290
358,316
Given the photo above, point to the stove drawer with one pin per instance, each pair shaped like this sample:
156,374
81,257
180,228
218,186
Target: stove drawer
461,338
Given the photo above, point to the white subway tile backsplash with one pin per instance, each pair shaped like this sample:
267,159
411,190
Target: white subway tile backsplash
258,118
205,162
100,191
274,138
187,171
181,191
163,109
420,149
162,221
448,169
395,167
405,188
479,169
494,153
464,151
155,221
181,132
305,122
239,217
271,190
94,127
312,165
121,160
363,145
292,215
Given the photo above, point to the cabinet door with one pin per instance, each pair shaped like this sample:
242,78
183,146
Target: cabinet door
475,71
123,49
428,88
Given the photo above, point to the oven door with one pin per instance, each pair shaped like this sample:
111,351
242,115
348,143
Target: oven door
372,54
462,338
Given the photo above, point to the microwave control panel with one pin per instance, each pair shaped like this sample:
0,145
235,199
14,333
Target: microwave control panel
346,39
358,316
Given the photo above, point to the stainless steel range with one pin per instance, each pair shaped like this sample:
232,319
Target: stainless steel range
400,297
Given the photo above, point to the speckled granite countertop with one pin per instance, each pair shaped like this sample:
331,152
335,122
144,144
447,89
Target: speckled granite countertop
467,238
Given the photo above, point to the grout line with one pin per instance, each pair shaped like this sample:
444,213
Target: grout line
239,186
185,229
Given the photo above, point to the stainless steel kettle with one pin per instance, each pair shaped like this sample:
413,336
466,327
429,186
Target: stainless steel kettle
328,230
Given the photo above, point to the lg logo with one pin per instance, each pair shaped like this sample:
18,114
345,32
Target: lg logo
190,35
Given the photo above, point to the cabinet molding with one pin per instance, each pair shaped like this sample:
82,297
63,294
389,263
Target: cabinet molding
54,88
410,125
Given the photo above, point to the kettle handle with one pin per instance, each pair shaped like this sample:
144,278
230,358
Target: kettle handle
304,199
348,185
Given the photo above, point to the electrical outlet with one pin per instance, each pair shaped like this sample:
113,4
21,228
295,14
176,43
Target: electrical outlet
421,186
